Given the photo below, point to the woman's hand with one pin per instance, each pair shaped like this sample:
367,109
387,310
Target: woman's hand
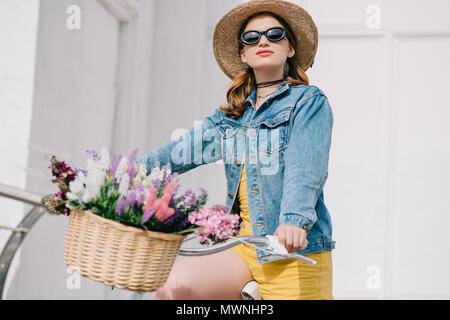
292,237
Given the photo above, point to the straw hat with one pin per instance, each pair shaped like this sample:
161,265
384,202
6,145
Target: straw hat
225,40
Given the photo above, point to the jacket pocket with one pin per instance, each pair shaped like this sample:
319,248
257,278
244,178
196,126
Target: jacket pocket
272,135
228,143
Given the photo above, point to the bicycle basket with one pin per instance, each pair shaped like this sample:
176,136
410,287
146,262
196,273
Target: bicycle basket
118,255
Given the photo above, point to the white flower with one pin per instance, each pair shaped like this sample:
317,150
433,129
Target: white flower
121,168
87,196
148,182
142,173
104,162
94,181
156,173
72,196
76,186
124,185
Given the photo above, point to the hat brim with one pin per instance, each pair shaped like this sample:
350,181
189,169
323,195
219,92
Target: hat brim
225,39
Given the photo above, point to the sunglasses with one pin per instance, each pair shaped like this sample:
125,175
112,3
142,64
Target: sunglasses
273,34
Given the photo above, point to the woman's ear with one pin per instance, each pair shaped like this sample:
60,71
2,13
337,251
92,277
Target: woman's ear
291,52
243,58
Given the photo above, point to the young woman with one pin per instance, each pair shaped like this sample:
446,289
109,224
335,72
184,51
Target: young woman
274,138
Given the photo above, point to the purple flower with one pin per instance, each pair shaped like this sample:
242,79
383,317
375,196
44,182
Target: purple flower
120,206
133,155
203,193
91,153
139,189
147,215
132,199
172,218
183,223
79,169
191,201
115,160
131,171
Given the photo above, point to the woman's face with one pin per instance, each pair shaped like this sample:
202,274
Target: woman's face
281,49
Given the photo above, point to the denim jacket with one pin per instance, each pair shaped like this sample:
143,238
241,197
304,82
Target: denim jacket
286,144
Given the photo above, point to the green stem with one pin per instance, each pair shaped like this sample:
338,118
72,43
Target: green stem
191,229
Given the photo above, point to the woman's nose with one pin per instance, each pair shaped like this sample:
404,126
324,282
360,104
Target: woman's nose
263,40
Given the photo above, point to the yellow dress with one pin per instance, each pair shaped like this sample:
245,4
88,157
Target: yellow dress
287,279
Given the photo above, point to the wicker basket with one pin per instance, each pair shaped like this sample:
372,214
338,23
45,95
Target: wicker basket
118,255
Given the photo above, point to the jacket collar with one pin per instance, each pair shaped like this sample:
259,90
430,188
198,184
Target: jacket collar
251,99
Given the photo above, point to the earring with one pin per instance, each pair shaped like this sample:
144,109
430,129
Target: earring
286,69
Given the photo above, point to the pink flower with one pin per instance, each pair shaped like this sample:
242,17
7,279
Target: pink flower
164,213
215,221
151,198
215,224
170,187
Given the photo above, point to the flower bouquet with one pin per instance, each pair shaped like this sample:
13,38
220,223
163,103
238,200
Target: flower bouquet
126,226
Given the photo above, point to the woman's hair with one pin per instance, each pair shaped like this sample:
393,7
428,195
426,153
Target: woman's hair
243,84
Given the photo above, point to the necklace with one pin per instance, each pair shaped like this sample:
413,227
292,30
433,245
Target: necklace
268,83
267,94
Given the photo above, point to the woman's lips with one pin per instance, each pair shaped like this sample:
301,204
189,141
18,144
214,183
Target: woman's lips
264,53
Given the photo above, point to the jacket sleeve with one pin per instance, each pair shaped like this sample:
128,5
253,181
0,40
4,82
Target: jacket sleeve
306,163
200,145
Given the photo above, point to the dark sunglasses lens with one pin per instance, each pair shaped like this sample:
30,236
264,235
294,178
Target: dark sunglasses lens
250,37
275,34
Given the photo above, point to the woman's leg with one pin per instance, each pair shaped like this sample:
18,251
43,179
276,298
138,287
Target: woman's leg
217,276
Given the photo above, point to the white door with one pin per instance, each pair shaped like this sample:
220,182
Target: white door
384,67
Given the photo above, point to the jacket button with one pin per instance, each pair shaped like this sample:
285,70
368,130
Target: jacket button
230,195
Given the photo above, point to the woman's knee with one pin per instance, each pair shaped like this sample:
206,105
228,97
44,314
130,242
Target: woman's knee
174,288
218,276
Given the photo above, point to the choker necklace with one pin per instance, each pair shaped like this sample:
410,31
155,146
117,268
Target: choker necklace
268,83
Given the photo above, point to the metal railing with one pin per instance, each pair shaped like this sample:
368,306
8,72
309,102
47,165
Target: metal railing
19,232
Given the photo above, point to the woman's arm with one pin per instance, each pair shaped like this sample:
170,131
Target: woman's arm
200,145
306,166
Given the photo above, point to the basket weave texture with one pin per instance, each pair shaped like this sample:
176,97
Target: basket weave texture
118,255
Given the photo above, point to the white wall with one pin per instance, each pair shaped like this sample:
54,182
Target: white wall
18,35
73,108
387,188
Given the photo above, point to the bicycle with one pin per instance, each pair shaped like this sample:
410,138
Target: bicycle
250,290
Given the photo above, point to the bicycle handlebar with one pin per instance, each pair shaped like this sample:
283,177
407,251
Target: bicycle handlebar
236,241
